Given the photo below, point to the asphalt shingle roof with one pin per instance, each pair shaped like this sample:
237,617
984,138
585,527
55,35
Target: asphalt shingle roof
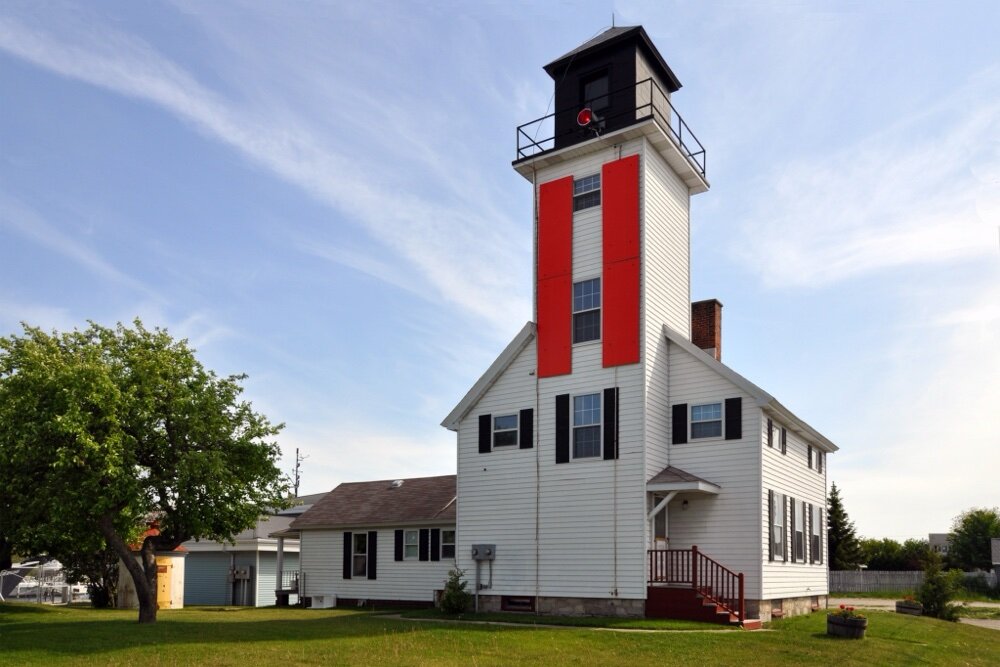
360,504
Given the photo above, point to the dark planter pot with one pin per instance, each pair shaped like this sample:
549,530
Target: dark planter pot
907,607
851,628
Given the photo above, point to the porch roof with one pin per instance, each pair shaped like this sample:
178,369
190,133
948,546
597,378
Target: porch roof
675,479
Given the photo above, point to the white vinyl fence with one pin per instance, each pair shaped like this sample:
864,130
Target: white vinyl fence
873,581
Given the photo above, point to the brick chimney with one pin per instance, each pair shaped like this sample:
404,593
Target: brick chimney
706,326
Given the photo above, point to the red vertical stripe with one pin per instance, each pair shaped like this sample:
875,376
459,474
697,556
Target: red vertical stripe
620,232
554,291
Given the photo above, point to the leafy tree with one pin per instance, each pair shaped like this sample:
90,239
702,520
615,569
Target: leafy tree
98,570
845,551
969,541
6,553
104,430
938,589
888,554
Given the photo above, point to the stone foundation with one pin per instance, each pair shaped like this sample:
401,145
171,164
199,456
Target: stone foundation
767,610
574,606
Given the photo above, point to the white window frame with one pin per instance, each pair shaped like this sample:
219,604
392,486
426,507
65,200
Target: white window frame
722,421
816,530
415,545
798,528
516,430
452,544
355,554
600,314
777,514
586,183
600,427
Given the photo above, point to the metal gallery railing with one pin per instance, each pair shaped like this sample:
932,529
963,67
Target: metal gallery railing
650,102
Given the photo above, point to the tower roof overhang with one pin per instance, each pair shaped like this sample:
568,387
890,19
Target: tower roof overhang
611,38
651,128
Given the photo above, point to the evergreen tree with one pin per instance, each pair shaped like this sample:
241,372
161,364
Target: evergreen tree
845,551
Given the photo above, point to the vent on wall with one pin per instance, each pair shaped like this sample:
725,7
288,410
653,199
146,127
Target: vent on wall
396,484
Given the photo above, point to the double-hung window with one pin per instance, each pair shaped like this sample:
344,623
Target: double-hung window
586,192
706,420
815,541
587,310
505,431
777,526
447,544
360,553
798,531
586,426
411,544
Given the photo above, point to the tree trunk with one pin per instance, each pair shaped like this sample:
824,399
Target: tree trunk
143,575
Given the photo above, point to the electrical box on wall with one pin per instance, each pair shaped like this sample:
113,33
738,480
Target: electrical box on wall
484,551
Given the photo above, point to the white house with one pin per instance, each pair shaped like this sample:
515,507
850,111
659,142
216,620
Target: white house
608,461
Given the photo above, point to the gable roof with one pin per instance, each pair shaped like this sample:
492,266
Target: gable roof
491,375
383,502
613,36
764,400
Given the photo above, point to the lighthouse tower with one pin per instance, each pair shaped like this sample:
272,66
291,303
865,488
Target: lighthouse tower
608,461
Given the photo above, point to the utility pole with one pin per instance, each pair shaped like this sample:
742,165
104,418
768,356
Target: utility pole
298,467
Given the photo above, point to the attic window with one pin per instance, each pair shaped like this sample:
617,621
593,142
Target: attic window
706,420
505,431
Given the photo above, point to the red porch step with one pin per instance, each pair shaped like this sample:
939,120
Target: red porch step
686,604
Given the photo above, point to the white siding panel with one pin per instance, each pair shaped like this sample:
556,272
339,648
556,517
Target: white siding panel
789,474
321,557
725,526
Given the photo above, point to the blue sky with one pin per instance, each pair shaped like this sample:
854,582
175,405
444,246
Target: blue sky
320,194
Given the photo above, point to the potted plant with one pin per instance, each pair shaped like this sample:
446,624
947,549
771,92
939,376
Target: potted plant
909,605
845,622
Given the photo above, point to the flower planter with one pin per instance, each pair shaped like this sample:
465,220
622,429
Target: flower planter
852,628
908,607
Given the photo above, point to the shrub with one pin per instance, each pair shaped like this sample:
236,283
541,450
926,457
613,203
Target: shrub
455,599
938,590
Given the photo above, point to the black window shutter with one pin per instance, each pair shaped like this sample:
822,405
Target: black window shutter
784,528
398,546
485,433
435,544
526,437
770,432
770,525
809,456
784,440
611,423
679,424
734,418
562,428
372,553
822,532
425,539
348,554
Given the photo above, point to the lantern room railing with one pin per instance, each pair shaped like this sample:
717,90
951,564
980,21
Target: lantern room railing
650,102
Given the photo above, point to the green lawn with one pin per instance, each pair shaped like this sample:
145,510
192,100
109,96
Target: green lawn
59,636
573,621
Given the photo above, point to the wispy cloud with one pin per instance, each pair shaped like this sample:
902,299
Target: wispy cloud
20,219
426,233
916,194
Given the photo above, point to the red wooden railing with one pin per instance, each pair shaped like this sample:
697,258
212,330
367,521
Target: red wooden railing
712,580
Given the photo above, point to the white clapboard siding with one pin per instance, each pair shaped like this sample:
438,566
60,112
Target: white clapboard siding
321,558
790,475
666,285
724,526
643,91
566,530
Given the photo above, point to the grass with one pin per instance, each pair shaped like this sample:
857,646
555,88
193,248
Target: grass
571,621
33,635
962,595
979,612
